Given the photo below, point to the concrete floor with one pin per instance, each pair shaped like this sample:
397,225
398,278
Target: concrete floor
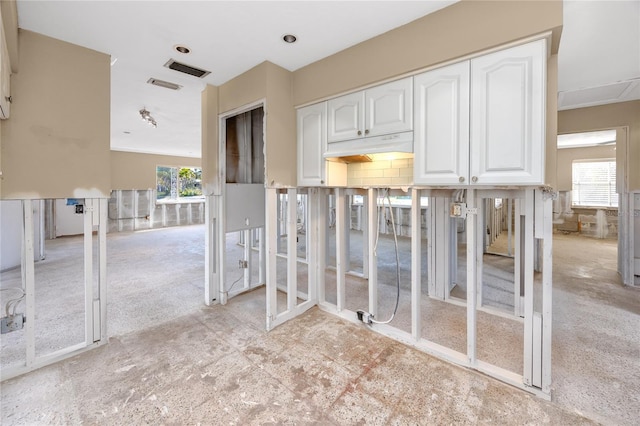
171,360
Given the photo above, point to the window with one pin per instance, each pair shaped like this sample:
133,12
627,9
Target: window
594,183
174,183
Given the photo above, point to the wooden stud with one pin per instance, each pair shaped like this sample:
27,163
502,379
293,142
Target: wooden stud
340,249
88,270
292,253
321,256
372,233
472,247
547,293
102,264
271,225
416,266
528,286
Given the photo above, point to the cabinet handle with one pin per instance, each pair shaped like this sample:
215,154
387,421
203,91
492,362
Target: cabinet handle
366,132
461,179
474,179
359,132
322,182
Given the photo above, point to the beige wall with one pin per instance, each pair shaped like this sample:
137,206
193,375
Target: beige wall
281,144
607,117
56,143
131,170
458,30
272,84
210,169
567,155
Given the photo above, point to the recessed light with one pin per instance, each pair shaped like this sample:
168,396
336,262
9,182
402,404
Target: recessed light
289,38
182,49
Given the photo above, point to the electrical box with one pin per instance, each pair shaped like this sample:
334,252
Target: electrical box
11,323
458,210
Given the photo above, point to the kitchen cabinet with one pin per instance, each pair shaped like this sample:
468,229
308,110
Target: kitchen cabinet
380,110
508,109
313,169
482,122
441,154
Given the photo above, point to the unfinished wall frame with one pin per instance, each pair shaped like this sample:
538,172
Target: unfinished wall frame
296,302
95,287
533,210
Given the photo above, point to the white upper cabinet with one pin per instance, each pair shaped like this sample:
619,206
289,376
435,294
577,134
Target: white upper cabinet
380,110
312,140
508,116
346,117
482,122
442,126
388,108
313,168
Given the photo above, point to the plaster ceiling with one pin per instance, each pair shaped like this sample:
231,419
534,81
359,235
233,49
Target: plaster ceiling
599,55
600,47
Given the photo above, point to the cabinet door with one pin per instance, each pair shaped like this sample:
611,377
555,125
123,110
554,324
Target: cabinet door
389,108
441,143
312,138
508,116
346,116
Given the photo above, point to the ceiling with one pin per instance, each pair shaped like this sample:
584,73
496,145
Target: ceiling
599,60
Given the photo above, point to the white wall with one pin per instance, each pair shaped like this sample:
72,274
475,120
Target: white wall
10,233
67,221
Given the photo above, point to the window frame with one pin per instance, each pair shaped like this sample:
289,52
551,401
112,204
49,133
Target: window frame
175,174
583,186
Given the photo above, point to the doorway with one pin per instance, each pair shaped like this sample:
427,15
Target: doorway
593,193
236,222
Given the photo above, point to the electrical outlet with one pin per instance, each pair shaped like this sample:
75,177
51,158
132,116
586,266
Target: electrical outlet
365,317
458,210
243,264
11,323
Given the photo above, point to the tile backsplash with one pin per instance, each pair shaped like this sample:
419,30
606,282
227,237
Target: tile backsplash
381,173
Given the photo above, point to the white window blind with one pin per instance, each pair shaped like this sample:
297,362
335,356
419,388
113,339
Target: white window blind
594,183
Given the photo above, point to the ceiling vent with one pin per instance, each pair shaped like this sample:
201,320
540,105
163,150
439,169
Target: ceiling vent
165,84
187,69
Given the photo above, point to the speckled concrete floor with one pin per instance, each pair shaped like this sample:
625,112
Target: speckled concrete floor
189,364
215,367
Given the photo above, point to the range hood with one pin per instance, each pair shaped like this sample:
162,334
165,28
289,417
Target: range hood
361,150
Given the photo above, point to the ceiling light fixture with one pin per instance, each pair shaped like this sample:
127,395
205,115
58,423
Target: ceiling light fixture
182,49
146,116
289,38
